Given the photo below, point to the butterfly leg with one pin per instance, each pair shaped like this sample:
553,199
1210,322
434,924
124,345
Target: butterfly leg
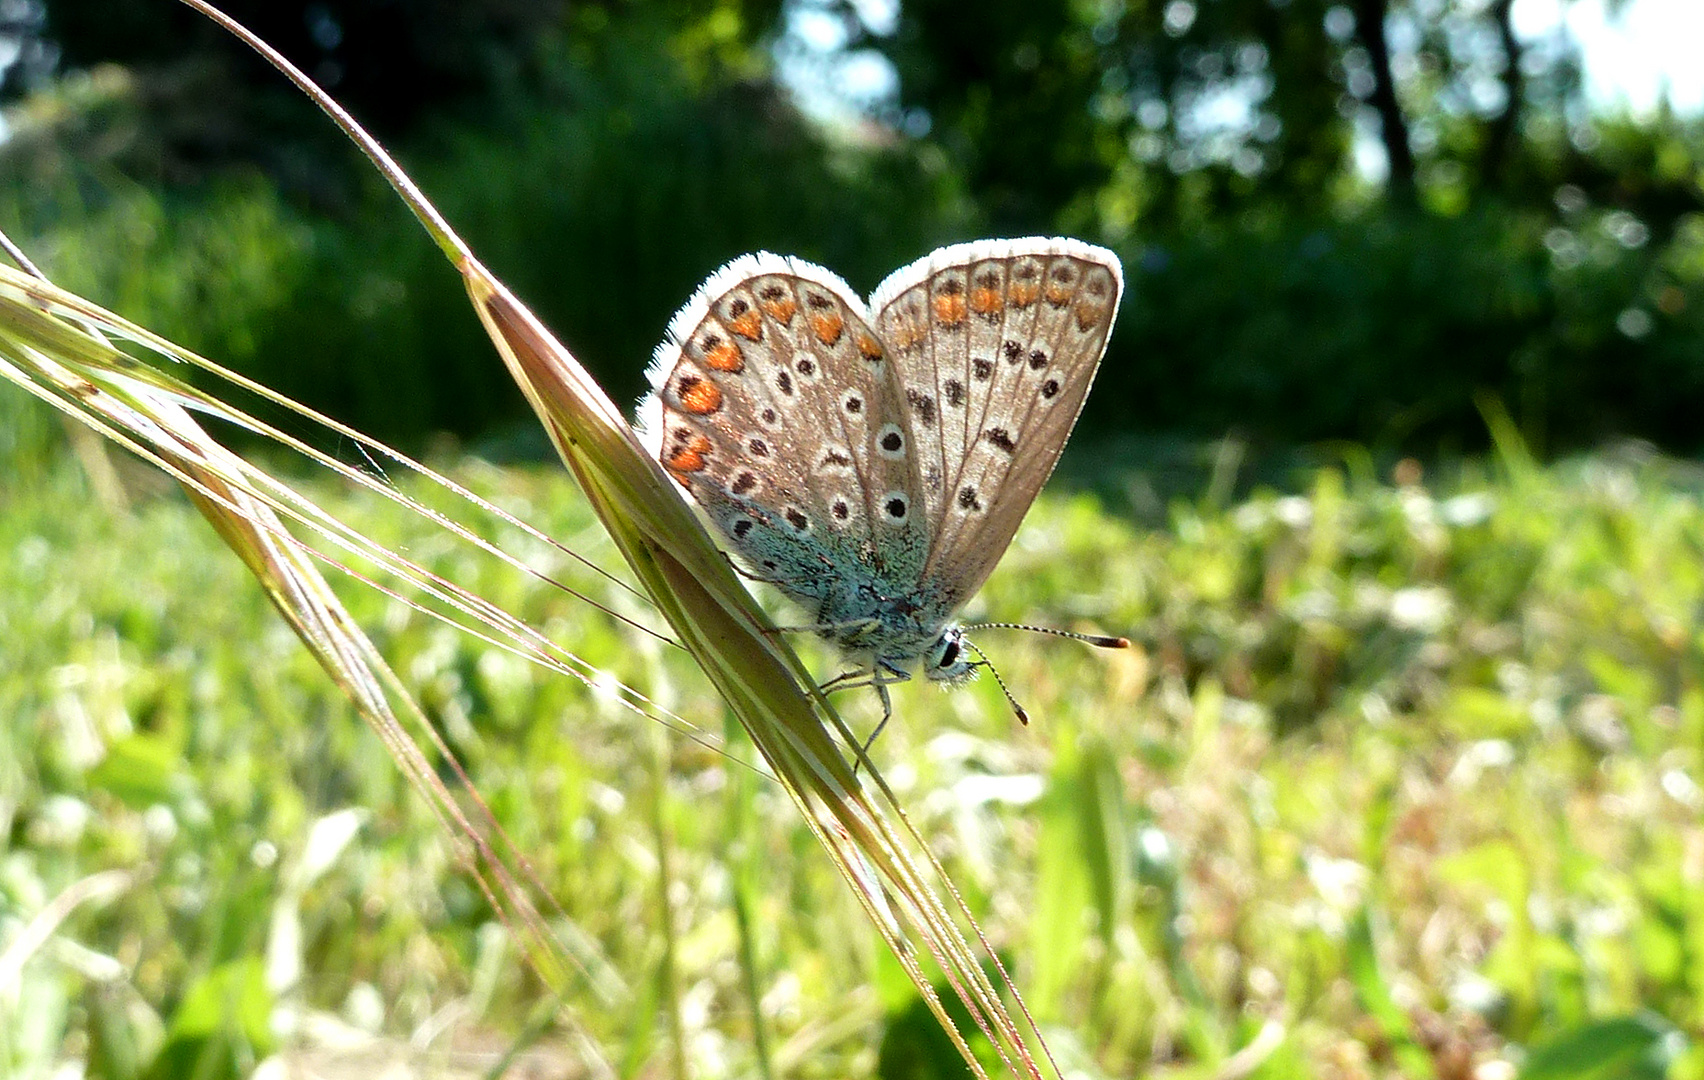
846,680
887,712
749,576
882,675
855,625
878,678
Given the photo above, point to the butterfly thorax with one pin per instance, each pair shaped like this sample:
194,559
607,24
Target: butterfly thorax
862,614
893,629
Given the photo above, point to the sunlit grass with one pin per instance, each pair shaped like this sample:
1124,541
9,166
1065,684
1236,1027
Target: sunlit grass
1411,775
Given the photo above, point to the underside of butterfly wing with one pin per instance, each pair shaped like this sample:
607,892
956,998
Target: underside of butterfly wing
997,343
768,405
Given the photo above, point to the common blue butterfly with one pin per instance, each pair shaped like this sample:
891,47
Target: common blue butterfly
873,462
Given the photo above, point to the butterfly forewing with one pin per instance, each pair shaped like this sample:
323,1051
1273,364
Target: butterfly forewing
777,408
1006,337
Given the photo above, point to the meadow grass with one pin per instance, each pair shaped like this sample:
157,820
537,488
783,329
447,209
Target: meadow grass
1398,781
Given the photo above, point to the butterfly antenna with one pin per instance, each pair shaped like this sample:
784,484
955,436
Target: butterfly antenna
1099,641
1023,717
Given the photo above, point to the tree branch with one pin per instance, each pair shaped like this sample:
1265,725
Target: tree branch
1500,134
1393,126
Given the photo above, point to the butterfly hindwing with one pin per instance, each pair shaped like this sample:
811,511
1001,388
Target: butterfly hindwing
776,407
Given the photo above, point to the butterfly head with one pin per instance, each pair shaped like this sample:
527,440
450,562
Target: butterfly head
948,658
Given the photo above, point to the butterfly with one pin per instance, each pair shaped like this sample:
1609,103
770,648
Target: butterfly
874,461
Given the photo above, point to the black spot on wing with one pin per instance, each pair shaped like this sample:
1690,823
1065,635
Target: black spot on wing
923,404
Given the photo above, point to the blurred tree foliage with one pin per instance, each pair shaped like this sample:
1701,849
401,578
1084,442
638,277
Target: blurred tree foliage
1339,220
1181,112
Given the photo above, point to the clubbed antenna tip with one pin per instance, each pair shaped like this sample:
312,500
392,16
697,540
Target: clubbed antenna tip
1023,717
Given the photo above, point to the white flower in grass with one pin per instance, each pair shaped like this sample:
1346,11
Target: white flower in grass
1341,882
59,821
1682,789
1294,510
1422,609
1479,757
1251,517
1313,604
1467,510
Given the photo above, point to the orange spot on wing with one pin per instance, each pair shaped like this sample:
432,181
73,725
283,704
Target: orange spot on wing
1088,313
986,301
725,357
869,348
748,326
906,334
1058,295
949,309
782,310
689,458
1023,293
701,397
827,327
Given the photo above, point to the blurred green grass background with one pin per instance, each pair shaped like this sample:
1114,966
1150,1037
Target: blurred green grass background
1388,481
1409,772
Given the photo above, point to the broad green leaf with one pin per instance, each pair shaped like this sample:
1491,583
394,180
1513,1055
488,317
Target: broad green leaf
140,770
1624,1048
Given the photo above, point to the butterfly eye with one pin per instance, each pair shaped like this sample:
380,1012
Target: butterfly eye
947,663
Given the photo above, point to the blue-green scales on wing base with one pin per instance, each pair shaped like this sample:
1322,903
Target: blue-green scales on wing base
874,462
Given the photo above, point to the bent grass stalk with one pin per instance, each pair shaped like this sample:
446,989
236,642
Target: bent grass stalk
747,659
56,346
